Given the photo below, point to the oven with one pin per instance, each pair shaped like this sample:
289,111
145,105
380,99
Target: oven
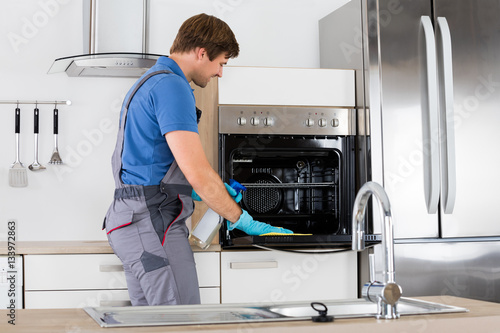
298,167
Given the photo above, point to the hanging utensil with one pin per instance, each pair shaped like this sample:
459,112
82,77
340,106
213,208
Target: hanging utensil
35,166
56,158
18,177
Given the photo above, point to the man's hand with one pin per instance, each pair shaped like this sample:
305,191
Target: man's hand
254,228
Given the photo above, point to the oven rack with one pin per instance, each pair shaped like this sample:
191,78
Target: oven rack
289,185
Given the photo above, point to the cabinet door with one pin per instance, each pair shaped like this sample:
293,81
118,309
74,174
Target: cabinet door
208,268
272,276
287,86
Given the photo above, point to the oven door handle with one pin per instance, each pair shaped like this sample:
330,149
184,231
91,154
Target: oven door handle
253,264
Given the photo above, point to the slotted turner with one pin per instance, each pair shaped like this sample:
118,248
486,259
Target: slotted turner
56,158
18,176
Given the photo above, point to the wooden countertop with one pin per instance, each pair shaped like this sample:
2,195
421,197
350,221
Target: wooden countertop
72,247
483,317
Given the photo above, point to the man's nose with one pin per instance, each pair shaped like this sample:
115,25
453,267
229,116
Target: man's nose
220,72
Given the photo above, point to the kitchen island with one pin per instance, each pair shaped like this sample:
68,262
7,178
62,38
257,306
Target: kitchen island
482,317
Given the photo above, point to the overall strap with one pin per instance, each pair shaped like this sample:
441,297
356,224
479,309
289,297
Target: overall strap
117,154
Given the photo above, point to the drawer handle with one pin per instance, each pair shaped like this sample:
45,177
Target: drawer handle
253,265
115,303
110,268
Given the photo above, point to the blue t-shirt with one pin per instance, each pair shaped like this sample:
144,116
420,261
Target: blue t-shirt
164,103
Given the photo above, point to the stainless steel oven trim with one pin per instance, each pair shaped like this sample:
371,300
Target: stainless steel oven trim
286,120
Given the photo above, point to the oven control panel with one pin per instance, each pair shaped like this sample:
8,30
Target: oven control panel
286,120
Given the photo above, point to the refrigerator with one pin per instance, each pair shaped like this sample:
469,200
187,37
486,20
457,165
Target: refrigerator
428,101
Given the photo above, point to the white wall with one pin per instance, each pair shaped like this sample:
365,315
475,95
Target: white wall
68,202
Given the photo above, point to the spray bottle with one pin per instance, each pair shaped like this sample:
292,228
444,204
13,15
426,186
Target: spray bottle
209,225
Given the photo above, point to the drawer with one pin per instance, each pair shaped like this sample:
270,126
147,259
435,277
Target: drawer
75,299
99,271
64,299
210,295
73,271
272,276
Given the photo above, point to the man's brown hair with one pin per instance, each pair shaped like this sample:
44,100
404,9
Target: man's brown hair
208,32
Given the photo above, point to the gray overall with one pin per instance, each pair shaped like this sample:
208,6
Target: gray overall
146,227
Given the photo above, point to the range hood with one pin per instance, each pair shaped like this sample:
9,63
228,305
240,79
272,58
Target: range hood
115,36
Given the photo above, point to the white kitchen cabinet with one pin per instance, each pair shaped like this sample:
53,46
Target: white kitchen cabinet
54,299
210,295
78,280
94,298
273,276
11,282
287,86
74,280
73,271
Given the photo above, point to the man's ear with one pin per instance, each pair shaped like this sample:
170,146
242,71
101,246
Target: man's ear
200,53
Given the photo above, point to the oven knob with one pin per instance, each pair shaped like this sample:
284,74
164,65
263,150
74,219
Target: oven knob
335,122
268,121
242,121
309,122
254,121
322,122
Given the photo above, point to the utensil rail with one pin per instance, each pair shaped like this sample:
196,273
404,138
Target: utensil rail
18,102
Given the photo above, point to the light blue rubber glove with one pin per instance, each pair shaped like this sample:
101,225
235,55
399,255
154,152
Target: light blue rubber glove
236,195
254,228
232,192
195,196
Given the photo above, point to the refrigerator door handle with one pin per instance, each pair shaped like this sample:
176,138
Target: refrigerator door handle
446,116
430,121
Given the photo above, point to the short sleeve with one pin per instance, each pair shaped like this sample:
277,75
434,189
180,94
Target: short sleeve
174,105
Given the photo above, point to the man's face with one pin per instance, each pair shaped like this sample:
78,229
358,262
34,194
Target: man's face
209,69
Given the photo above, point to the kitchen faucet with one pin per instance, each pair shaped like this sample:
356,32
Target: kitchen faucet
387,293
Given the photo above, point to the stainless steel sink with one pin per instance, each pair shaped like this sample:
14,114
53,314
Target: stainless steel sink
181,315
357,308
240,313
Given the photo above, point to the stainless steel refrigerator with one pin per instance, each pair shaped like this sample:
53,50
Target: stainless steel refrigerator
428,98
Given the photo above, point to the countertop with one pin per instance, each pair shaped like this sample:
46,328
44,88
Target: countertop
72,247
483,317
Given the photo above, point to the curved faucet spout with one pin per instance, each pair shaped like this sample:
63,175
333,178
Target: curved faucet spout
358,244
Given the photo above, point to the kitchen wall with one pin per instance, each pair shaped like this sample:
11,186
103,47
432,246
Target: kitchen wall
68,202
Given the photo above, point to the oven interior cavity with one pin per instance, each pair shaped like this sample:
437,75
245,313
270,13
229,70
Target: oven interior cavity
293,189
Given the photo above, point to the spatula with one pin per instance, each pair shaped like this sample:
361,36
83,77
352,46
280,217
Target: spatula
18,177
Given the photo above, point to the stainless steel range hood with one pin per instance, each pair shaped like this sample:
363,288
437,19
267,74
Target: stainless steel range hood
115,36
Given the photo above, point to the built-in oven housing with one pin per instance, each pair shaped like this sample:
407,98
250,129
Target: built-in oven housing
298,165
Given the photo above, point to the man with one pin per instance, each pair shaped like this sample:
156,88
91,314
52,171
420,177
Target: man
159,165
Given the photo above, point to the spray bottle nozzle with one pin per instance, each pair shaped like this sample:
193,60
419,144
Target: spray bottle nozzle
236,186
